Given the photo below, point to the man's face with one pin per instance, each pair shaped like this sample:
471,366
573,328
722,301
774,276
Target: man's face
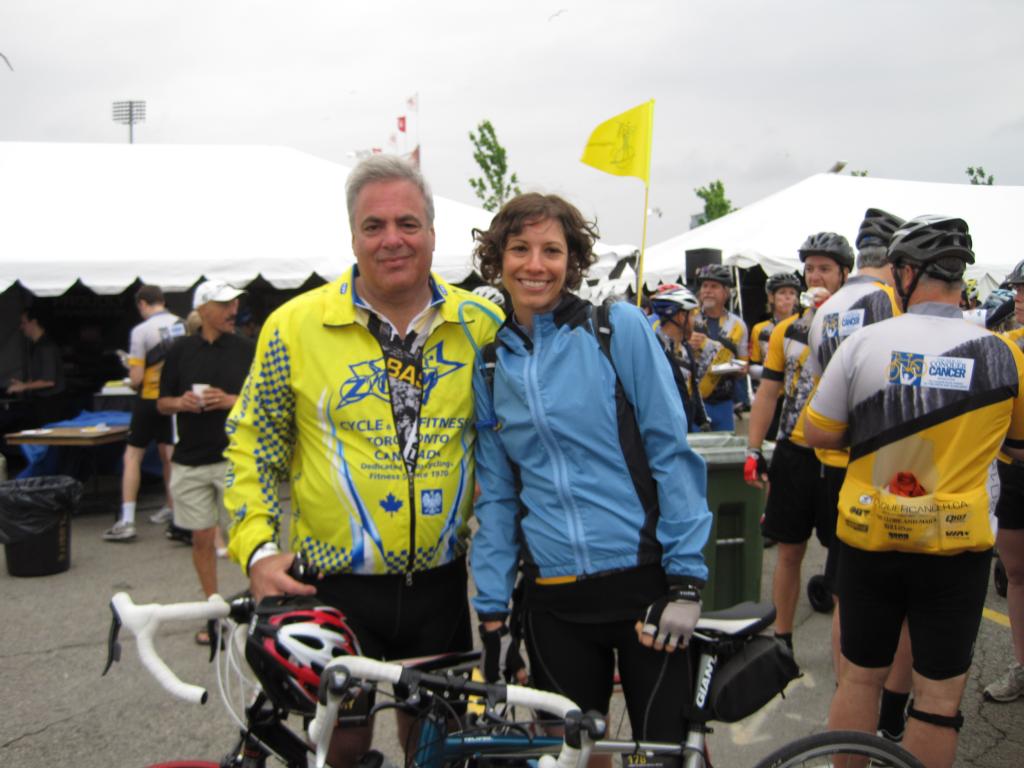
823,272
219,316
1018,302
713,296
391,239
29,327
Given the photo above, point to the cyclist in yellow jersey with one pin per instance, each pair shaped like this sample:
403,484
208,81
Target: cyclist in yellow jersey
673,306
719,337
866,298
1010,538
924,401
361,396
796,505
783,289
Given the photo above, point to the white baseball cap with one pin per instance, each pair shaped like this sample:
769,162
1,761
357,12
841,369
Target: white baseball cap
214,290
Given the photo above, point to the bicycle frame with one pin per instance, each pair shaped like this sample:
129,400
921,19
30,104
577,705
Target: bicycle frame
265,733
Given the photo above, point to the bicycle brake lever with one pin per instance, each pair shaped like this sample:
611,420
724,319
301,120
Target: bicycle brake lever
113,647
213,632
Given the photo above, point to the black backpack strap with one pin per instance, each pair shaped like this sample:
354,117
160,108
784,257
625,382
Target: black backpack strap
630,442
601,325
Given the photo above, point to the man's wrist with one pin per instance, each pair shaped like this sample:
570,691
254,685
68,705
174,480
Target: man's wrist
264,550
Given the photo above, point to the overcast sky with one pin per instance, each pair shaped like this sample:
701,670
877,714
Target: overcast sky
757,94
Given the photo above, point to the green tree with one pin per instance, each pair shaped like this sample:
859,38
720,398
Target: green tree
858,173
977,176
491,188
716,204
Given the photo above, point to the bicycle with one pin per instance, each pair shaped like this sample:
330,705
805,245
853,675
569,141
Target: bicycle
461,720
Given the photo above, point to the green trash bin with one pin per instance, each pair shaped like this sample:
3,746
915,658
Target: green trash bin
734,549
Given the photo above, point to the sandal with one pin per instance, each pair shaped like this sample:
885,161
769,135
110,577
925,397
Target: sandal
203,637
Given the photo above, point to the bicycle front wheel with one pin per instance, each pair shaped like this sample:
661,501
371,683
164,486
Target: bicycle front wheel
840,748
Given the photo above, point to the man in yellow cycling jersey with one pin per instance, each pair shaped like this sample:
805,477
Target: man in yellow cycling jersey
719,337
783,289
1010,538
360,396
924,401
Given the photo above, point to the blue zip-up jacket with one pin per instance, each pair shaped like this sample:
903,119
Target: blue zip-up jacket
552,467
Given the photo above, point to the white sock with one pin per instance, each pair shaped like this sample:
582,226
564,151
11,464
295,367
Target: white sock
128,512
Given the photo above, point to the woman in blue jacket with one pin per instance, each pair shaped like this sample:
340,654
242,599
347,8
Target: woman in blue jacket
587,481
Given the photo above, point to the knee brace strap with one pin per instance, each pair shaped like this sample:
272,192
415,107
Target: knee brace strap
942,721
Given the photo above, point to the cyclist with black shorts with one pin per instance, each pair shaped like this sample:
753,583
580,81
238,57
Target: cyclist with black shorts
1010,538
798,495
587,479
148,345
924,401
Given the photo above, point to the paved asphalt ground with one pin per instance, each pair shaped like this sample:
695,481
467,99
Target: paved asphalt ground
57,710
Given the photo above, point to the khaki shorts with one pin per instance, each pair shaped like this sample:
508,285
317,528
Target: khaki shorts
198,494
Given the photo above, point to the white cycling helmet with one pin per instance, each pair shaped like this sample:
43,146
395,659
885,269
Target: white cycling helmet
671,298
491,293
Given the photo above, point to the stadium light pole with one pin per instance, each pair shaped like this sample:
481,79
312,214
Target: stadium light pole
130,113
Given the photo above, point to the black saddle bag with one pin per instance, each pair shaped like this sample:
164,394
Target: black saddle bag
749,678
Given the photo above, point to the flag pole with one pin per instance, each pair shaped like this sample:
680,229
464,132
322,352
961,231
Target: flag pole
643,243
647,191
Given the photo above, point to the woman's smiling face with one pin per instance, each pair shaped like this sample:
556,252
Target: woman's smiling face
533,268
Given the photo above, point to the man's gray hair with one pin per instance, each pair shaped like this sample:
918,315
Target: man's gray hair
872,256
386,168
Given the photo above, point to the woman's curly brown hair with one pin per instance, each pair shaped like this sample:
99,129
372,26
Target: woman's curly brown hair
530,208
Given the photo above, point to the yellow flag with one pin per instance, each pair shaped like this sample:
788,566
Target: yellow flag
622,145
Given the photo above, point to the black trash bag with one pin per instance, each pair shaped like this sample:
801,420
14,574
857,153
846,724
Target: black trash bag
34,505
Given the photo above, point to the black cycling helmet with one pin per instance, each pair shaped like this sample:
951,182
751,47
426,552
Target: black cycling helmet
877,228
836,247
940,245
1016,276
718,273
782,280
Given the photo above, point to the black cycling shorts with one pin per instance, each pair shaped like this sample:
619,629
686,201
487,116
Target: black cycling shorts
577,659
148,424
1010,507
393,620
940,596
797,497
832,480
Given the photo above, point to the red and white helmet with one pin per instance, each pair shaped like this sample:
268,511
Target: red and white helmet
290,643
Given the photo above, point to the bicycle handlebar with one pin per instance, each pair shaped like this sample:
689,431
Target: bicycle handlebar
145,620
338,672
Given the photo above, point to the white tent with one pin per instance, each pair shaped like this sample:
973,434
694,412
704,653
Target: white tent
107,214
769,231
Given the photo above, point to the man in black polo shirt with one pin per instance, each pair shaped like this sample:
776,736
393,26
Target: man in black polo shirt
200,381
43,386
